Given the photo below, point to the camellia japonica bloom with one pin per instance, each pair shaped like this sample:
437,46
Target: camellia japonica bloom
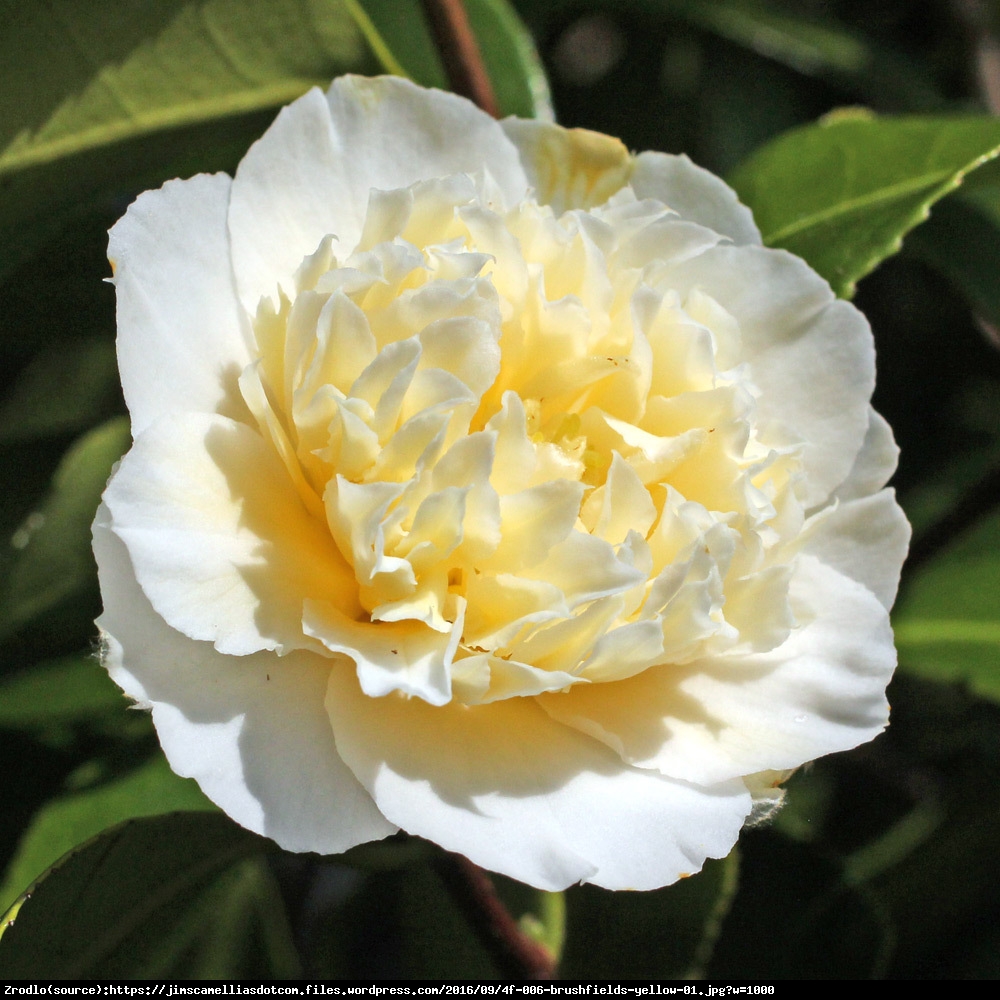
493,484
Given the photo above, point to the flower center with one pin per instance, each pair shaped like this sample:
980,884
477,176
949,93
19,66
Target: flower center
526,443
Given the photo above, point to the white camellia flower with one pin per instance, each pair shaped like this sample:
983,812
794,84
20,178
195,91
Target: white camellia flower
491,483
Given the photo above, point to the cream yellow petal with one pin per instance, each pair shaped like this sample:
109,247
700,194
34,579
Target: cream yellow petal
220,541
569,168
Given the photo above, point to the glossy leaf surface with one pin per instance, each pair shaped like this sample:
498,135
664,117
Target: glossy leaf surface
844,192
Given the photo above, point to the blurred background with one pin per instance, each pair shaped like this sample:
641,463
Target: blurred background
883,863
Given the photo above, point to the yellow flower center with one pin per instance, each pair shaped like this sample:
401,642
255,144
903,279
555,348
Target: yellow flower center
520,436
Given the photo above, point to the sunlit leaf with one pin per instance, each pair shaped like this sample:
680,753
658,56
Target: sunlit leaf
68,821
844,192
55,560
112,73
157,896
947,621
96,78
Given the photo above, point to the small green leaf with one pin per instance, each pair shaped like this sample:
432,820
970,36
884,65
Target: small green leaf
63,823
58,692
127,900
55,560
547,924
946,623
844,192
66,388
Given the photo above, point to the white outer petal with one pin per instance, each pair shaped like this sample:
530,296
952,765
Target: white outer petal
252,731
865,539
875,464
313,170
520,794
394,133
182,336
812,356
821,691
865,534
695,194
221,544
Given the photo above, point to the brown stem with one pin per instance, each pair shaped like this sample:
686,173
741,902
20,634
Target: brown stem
460,53
516,955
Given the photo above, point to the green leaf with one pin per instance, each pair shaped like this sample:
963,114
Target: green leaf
844,192
164,897
55,560
57,693
436,941
101,74
235,928
946,622
512,61
85,86
65,822
66,388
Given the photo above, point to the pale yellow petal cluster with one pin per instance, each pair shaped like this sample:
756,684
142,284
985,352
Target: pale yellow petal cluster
540,461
